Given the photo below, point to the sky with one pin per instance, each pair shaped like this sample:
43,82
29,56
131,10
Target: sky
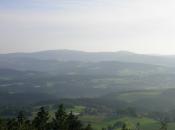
141,26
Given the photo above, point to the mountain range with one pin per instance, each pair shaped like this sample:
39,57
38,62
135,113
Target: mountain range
70,55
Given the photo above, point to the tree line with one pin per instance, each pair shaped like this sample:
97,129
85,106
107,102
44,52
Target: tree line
42,121
60,121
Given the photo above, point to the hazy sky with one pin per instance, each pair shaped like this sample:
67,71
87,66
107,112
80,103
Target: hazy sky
143,26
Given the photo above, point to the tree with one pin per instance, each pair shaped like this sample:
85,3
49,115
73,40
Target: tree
59,122
20,120
73,123
164,125
62,121
124,127
88,127
2,124
137,126
28,125
40,122
12,124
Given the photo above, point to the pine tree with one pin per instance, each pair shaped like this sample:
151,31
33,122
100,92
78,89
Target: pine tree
41,120
124,127
12,124
138,126
59,123
164,125
21,120
2,127
88,127
73,123
62,121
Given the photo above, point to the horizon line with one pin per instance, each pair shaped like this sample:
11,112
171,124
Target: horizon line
86,51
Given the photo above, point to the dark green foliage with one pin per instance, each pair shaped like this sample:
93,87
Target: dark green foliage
61,121
164,125
12,124
88,127
138,126
124,127
41,120
21,118
73,122
2,124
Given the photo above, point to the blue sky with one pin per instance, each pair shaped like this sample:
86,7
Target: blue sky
45,4
143,26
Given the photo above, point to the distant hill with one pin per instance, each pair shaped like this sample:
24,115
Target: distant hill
77,62
70,55
81,67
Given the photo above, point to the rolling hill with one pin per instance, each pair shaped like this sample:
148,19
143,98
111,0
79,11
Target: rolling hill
75,74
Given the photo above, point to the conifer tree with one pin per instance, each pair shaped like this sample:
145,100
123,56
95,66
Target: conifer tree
73,123
21,120
124,127
88,127
12,124
41,120
59,122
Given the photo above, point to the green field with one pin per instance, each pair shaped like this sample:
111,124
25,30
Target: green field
145,123
151,100
134,96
